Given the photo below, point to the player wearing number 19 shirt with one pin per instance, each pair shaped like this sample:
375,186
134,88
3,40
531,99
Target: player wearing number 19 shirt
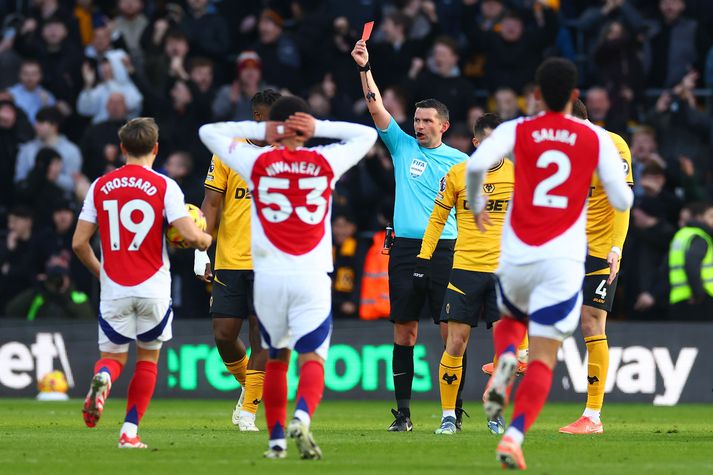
129,206
291,248
544,242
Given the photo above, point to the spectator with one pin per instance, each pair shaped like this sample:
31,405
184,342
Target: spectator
201,75
170,62
595,18
102,43
54,296
442,79
345,292
506,106
676,44
14,129
278,51
100,142
92,102
40,188
45,11
47,135
600,111
396,103
179,166
644,152
17,263
207,31
29,95
130,24
691,267
233,100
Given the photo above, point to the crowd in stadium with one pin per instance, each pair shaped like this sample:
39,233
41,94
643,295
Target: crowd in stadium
73,71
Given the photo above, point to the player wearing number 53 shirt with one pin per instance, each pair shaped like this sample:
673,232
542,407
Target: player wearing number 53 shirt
544,242
291,248
129,206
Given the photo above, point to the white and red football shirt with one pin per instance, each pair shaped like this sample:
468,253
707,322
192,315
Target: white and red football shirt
292,190
130,206
555,156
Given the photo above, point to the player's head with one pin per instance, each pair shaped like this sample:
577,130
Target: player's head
262,102
556,83
285,107
484,126
139,138
430,122
579,110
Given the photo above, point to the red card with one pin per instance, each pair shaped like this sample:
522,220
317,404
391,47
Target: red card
367,31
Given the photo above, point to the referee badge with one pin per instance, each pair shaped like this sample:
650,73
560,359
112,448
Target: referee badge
417,168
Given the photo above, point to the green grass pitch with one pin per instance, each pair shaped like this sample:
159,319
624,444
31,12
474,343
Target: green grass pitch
196,437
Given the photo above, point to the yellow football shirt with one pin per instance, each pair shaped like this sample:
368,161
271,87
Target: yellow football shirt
233,242
474,251
607,227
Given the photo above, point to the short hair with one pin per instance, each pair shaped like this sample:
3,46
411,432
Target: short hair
265,98
440,107
30,62
175,34
698,208
139,136
448,42
399,18
200,62
645,130
557,78
653,169
286,106
486,121
55,19
505,89
49,114
579,110
21,211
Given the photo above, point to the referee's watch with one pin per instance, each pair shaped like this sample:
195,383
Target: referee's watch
365,68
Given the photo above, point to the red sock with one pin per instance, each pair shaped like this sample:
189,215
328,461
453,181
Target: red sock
110,366
275,398
507,335
311,387
531,395
141,389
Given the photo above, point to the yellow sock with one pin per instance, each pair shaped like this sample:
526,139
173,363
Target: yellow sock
597,368
449,373
253,390
238,369
523,349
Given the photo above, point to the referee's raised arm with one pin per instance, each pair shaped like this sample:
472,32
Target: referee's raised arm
371,93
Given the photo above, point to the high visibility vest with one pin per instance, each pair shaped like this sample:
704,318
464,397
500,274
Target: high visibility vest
680,287
374,302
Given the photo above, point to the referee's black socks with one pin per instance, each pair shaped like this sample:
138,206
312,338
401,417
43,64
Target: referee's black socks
403,377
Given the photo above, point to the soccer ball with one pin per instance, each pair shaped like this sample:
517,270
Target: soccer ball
174,238
53,382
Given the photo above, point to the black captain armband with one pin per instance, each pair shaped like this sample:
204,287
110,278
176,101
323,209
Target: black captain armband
365,68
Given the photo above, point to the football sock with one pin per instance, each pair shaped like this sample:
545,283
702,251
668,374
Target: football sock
523,349
110,366
597,368
449,374
507,335
253,390
141,390
403,377
530,398
459,399
309,390
275,401
238,369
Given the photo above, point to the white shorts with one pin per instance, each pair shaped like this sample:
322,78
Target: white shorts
148,321
547,293
294,311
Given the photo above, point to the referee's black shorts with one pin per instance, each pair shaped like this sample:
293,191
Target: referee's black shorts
407,305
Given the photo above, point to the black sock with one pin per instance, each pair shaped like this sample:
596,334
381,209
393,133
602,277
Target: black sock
403,377
459,400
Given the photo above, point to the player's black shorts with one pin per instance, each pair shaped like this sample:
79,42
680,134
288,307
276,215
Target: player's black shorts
406,304
232,294
595,290
474,300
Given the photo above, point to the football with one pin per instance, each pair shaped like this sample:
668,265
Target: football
53,382
174,238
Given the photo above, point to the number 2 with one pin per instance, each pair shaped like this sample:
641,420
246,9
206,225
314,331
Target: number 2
123,217
601,290
564,168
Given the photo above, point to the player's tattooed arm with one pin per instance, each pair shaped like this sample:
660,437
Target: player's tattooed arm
371,92
370,96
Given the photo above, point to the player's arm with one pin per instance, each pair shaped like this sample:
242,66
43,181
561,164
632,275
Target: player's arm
499,144
611,173
240,156
82,247
371,92
177,216
442,206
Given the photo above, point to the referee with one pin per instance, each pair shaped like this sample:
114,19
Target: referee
420,165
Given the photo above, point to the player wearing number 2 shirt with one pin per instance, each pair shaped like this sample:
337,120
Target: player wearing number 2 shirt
129,206
291,248
544,242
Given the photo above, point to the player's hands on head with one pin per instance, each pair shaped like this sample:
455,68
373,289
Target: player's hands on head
276,131
360,53
301,124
